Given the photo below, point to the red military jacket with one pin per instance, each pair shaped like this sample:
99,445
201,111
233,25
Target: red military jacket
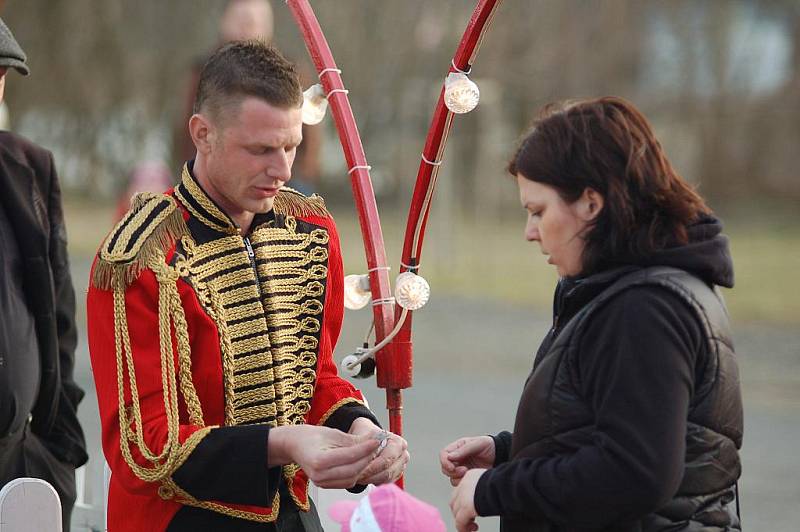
210,338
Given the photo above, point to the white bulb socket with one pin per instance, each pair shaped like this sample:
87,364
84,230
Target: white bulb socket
411,291
314,105
347,362
461,94
356,291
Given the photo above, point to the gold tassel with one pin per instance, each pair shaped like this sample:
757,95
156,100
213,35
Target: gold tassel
293,203
169,230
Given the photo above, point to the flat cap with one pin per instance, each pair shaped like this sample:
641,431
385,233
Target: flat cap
11,54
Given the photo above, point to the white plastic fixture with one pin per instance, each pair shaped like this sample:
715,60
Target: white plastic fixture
356,291
314,105
461,94
350,365
411,291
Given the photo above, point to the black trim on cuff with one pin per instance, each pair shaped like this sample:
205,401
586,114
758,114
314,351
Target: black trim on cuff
344,416
230,465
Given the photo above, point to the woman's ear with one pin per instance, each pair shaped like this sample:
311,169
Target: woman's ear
590,204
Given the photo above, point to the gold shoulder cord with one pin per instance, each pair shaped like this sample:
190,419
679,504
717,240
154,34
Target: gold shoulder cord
170,314
138,242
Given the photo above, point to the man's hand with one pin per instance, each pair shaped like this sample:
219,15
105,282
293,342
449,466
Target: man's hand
462,501
330,458
465,454
392,458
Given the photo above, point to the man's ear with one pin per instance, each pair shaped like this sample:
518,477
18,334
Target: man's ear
590,204
203,132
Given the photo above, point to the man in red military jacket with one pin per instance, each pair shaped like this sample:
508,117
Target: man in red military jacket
213,313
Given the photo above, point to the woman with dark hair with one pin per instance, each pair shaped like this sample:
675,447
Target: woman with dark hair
631,419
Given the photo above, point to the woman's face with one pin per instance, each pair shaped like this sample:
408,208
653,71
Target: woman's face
556,225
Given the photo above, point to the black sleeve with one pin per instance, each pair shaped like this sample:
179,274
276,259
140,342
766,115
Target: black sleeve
66,440
636,365
502,447
344,416
230,465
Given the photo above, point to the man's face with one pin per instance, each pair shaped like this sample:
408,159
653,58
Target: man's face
251,154
3,71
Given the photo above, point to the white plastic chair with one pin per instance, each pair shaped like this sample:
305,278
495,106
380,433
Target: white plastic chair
29,505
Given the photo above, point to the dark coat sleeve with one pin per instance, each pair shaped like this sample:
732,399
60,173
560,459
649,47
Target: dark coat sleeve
229,464
636,365
66,439
502,447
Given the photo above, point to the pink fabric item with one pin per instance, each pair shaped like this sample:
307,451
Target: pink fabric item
393,509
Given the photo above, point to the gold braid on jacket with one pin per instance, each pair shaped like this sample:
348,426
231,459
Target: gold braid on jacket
141,240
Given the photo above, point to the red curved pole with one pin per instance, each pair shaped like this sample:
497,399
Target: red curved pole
425,185
394,361
359,172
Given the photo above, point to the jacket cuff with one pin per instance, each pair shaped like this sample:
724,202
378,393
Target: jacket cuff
343,417
502,447
230,465
483,502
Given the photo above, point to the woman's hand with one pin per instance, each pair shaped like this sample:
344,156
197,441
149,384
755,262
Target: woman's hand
465,454
462,502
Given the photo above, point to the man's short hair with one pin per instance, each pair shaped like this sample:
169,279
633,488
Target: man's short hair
247,68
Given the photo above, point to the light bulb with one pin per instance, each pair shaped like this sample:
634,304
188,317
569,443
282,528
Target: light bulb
356,291
314,105
411,291
461,94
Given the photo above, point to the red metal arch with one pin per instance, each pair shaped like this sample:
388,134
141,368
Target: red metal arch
395,360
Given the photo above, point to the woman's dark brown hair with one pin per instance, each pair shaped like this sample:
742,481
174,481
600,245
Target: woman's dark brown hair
606,144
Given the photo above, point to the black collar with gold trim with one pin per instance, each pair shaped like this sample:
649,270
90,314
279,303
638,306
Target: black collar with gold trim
213,221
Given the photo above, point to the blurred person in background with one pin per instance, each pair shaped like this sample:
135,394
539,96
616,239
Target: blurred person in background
40,435
244,20
213,313
148,176
631,419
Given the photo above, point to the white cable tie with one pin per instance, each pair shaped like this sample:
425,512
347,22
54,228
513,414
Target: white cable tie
334,91
384,301
453,62
432,163
376,268
326,70
409,267
359,167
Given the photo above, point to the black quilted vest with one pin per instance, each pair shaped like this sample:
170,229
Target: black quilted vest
554,419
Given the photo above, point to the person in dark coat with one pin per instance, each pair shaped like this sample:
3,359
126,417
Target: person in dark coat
631,419
39,431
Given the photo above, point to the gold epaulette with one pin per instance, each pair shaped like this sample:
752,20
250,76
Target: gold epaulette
294,203
152,225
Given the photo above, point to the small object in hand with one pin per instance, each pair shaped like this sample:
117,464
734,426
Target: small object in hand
383,437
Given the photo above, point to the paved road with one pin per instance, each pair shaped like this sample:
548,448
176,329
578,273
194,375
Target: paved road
471,359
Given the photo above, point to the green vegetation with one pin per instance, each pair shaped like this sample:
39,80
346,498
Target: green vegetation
488,258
